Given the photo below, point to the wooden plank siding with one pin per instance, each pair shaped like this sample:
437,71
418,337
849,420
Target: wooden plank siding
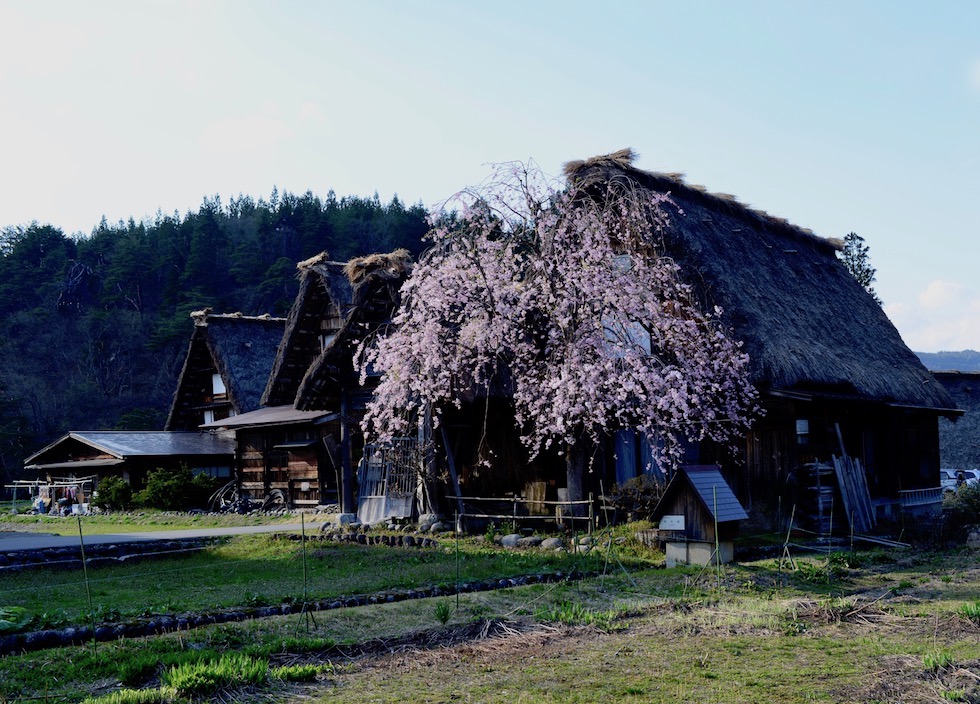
266,465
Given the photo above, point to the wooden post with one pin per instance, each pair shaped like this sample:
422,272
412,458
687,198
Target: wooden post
454,478
348,502
427,462
591,511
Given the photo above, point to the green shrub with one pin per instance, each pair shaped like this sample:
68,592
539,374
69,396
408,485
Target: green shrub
138,669
572,613
210,676
166,489
201,488
937,660
961,509
443,612
971,611
635,499
114,494
308,644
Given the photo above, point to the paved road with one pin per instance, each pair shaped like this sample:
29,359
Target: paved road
35,541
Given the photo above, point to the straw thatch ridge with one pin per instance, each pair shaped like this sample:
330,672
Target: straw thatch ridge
242,349
806,323
376,295
322,283
393,265
618,168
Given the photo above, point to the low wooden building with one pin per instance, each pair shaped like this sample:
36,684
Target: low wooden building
285,452
959,440
131,454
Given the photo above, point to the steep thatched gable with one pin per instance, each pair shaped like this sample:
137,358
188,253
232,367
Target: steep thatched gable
376,282
323,287
238,347
806,323
244,349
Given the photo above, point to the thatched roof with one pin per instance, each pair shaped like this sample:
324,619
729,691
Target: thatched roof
376,281
807,325
959,441
241,348
322,283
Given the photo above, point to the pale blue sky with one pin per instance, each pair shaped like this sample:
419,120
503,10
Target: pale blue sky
836,115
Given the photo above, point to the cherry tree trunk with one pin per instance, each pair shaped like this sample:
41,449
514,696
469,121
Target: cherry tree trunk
576,459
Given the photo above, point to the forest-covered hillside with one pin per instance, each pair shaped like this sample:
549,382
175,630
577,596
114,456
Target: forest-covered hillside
93,330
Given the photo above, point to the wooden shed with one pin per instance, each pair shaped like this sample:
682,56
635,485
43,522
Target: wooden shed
959,440
131,454
699,517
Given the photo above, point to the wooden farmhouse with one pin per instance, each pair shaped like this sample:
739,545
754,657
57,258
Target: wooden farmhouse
834,375
226,368
131,454
305,441
959,441
835,378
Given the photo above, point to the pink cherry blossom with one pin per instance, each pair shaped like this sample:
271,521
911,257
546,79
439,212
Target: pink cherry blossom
569,301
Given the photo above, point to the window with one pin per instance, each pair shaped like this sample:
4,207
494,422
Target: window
213,472
218,385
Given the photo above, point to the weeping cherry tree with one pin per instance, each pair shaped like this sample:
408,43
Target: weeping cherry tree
566,298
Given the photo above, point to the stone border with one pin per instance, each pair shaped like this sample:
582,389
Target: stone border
394,541
100,554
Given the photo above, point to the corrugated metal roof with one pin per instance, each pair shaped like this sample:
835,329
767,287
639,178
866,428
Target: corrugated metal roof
79,464
270,416
136,443
715,493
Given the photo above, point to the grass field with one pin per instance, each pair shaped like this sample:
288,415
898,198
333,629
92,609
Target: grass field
880,626
261,570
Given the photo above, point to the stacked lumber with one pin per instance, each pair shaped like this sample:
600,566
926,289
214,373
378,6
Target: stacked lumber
855,494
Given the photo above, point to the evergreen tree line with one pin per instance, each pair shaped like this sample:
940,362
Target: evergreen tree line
93,330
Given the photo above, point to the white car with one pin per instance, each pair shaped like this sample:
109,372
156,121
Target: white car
948,478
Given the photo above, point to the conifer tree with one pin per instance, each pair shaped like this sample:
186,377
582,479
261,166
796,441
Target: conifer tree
856,260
